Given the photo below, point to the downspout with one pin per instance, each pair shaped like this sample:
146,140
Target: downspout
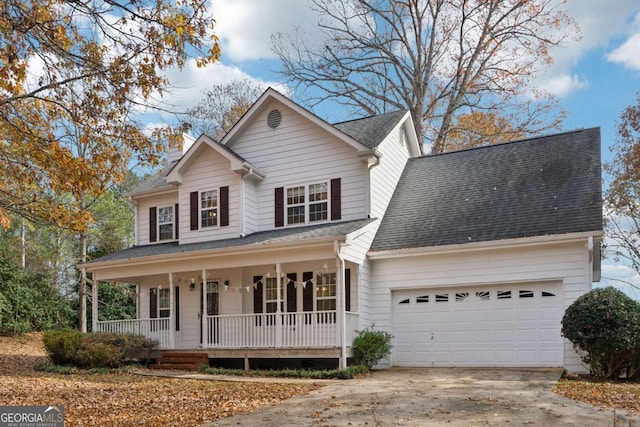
341,308
590,252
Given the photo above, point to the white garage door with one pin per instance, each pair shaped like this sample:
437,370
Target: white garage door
514,325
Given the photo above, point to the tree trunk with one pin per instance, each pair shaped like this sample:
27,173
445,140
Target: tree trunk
82,293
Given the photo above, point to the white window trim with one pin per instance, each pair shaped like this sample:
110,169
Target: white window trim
283,295
316,298
307,203
173,223
217,209
168,300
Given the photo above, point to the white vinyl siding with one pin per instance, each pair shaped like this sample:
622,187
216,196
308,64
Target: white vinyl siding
209,171
385,176
298,151
567,263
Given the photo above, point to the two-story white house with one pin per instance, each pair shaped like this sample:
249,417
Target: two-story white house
290,234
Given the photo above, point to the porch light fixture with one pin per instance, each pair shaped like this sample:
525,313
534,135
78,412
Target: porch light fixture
192,286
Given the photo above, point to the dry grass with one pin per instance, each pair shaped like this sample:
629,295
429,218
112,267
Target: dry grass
127,399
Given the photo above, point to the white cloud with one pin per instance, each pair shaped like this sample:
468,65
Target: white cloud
245,27
599,23
622,277
627,54
190,83
563,84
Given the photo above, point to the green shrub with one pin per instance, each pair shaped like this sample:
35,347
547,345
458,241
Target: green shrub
99,355
62,346
604,324
97,350
137,348
372,346
343,374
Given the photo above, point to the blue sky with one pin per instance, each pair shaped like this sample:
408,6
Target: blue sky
595,78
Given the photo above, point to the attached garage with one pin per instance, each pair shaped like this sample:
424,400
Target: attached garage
504,325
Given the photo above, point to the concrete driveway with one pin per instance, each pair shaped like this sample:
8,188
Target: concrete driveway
434,396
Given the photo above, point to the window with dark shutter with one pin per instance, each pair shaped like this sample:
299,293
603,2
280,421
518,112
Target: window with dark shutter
176,215
193,210
279,204
336,199
153,303
224,206
347,289
153,224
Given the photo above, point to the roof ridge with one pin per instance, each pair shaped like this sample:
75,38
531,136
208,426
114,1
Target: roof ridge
515,141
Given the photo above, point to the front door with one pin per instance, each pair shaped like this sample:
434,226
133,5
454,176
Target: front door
213,309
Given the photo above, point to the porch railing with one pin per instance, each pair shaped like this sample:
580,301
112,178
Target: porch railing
156,329
287,330
318,329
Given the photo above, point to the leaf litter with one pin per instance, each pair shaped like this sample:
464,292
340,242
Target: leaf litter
604,394
126,399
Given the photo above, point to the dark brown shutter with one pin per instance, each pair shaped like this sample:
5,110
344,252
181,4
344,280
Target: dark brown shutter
153,303
177,307
307,293
279,202
224,206
176,222
291,292
347,289
257,294
336,199
193,209
153,224
257,298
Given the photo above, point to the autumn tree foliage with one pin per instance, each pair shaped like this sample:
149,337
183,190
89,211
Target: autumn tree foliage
438,58
480,128
72,76
623,196
222,106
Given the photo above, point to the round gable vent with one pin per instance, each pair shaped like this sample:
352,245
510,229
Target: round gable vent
274,118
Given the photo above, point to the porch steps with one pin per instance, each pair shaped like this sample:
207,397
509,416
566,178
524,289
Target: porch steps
181,360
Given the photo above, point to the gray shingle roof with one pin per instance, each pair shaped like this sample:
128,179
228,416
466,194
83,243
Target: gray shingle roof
535,187
155,181
282,235
371,131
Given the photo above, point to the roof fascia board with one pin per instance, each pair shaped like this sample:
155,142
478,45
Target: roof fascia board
494,244
167,189
270,94
208,253
415,146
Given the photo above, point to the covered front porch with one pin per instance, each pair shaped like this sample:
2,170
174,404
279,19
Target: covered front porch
307,300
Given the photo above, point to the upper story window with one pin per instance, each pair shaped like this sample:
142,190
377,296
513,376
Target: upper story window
165,223
209,208
307,203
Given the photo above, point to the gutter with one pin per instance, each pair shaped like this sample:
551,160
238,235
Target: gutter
208,253
493,244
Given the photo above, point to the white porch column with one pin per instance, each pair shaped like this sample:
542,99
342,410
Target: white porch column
278,302
203,314
340,307
172,323
94,303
